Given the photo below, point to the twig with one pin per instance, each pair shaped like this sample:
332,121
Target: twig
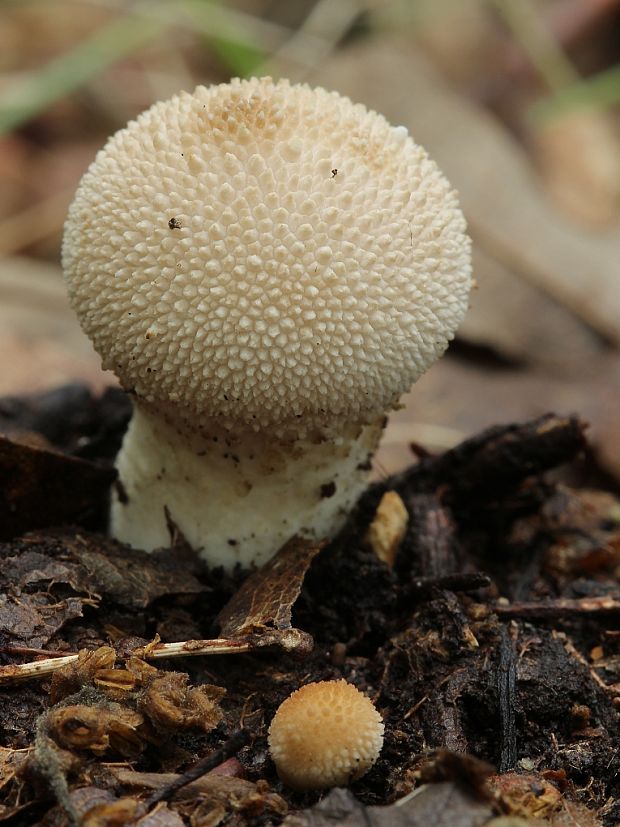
41,668
205,765
562,607
431,545
506,679
188,648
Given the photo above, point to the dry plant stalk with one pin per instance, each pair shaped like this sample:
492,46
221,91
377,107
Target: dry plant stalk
154,651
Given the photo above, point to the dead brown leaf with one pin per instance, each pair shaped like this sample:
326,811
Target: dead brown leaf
579,157
524,325
135,580
96,807
209,795
507,211
171,704
100,808
82,672
442,805
97,729
42,488
115,813
261,610
94,564
33,619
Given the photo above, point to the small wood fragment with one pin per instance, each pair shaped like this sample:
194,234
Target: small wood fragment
562,607
388,527
506,682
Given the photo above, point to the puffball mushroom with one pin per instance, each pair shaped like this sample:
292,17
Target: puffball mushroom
266,267
326,734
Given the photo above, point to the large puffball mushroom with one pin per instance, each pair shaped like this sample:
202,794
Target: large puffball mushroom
326,734
266,267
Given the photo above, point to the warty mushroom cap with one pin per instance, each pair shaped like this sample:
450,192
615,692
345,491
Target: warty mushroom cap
266,256
325,734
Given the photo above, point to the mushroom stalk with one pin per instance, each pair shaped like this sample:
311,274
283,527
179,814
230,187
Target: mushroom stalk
237,497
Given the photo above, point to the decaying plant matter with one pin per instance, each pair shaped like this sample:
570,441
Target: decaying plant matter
494,632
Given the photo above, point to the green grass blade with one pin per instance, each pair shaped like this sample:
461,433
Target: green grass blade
601,91
236,46
73,69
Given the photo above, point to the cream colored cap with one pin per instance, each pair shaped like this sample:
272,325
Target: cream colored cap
266,256
326,734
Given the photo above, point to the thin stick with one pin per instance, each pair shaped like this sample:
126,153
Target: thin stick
562,607
186,648
205,765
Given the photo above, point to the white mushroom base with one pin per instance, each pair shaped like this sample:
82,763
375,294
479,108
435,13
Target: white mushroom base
235,499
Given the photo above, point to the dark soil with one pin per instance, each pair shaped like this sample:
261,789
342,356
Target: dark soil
491,646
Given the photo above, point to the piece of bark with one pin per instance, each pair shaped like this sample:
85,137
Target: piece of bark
429,549
496,461
41,487
506,679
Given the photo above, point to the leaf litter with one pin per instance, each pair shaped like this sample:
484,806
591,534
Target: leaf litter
465,643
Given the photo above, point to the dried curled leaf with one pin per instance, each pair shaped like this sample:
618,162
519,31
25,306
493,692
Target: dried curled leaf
262,608
115,682
97,566
171,704
134,579
33,619
164,697
210,795
82,672
97,807
253,801
97,729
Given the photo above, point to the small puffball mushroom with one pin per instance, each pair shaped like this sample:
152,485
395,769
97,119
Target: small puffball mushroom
326,734
267,268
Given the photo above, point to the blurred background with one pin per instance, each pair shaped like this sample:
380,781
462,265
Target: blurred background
517,100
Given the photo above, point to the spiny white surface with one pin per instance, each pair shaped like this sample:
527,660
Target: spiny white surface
266,256
325,734
235,500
